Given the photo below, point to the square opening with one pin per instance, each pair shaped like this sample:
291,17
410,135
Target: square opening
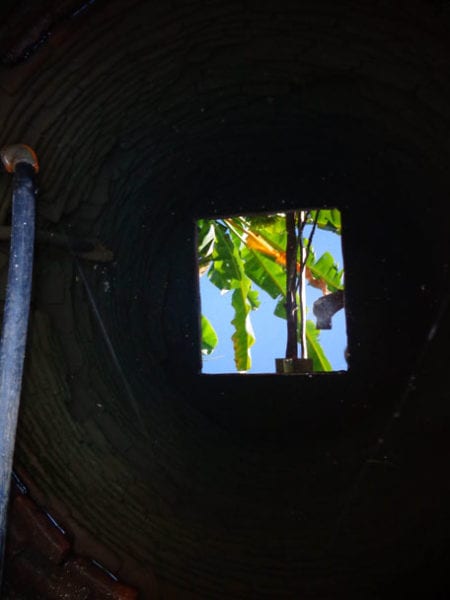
272,292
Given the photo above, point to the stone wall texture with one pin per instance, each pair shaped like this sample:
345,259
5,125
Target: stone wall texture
146,116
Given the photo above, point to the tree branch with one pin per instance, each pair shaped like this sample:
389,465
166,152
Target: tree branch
291,286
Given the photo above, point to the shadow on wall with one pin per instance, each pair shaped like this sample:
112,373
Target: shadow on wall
146,118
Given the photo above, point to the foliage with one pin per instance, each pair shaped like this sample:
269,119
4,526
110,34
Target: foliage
209,336
239,252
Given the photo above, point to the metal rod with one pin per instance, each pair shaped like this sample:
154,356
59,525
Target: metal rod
302,285
15,323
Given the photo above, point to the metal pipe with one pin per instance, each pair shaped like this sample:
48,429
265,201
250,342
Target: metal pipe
21,161
301,284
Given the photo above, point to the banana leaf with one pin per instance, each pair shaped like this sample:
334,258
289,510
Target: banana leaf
209,336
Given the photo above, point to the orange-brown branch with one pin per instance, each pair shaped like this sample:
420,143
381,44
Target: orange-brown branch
255,242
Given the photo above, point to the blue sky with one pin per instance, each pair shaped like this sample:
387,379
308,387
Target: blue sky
270,331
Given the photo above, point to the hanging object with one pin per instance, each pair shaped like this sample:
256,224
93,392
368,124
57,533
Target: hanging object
325,307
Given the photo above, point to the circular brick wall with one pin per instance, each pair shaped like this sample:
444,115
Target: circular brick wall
147,117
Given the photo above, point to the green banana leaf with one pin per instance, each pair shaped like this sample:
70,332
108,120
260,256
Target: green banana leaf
314,349
209,336
227,272
243,337
206,237
325,268
327,219
264,272
234,266
320,361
